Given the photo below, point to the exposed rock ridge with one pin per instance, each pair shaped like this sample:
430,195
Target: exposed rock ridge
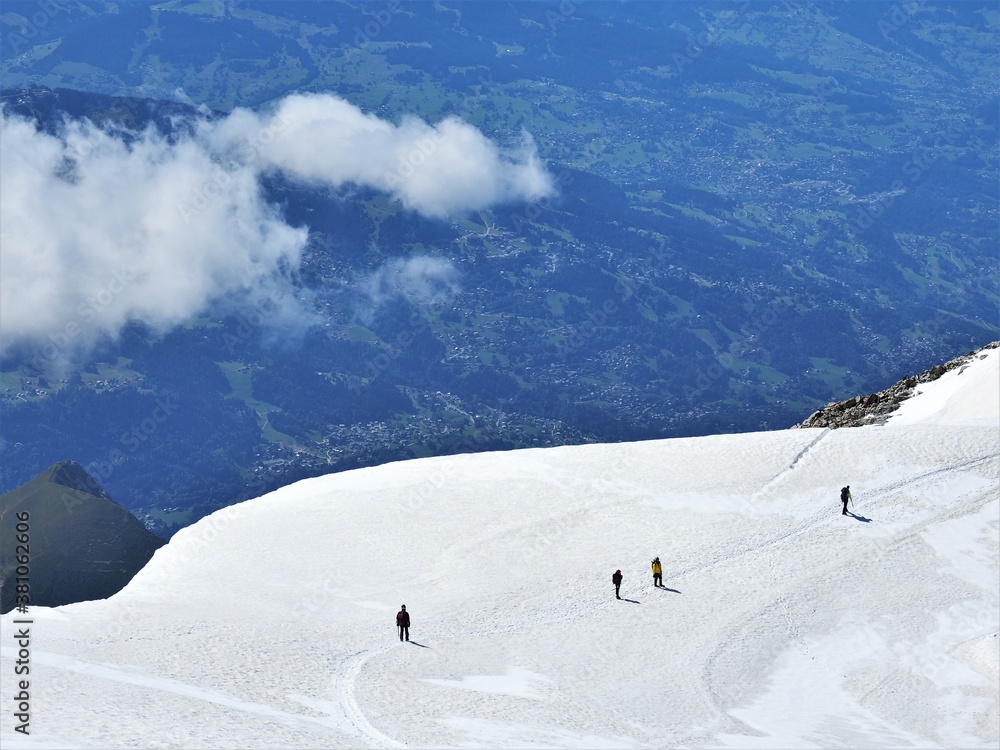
875,408
73,475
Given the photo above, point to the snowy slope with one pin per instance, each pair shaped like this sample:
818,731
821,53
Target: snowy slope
947,400
782,623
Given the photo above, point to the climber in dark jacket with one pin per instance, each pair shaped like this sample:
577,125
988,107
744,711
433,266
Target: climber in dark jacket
616,579
403,622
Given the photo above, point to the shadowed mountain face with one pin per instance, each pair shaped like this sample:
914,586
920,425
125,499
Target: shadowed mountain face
80,544
73,476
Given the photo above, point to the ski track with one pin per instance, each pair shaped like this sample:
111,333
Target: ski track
116,673
825,514
483,622
778,607
779,603
599,601
767,614
344,683
487,625
345,691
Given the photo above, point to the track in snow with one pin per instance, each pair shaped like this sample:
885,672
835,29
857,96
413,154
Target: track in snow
346,695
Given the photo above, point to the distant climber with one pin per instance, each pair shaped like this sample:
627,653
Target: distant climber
845,496
403,622
657,572
616,579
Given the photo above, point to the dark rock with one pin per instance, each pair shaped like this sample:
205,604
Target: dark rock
876,407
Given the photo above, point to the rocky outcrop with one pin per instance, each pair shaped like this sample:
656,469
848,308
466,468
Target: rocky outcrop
875,408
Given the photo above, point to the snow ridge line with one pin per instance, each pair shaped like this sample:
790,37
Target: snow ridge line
344,690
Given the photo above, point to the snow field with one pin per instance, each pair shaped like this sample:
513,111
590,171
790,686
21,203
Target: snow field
781,622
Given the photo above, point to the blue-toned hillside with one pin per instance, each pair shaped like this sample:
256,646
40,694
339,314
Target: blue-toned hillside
755,209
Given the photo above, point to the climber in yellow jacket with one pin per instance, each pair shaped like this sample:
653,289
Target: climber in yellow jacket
657,572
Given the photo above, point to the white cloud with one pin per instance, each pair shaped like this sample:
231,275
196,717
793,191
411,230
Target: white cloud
420,279
436,170
99,228
92,237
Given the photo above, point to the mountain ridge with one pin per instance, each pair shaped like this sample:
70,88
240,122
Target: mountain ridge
72,475
876,408
81,544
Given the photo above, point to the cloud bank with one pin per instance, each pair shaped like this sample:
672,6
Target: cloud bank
101,228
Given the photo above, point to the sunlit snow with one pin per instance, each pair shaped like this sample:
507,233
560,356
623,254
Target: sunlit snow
781,623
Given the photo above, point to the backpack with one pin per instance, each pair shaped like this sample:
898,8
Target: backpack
844,494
